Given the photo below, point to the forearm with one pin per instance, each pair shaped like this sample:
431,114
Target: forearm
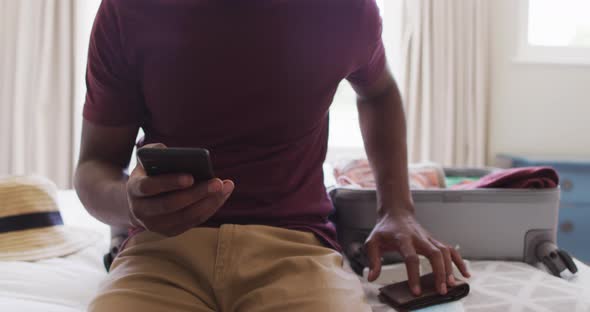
383,128
102,189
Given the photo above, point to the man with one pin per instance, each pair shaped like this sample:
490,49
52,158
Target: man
251,81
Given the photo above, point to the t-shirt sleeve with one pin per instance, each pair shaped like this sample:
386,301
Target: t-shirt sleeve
371,54
113,96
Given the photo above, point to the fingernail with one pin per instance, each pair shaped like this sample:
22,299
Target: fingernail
452,280
214,186
443,288
227,187
186,180
416,290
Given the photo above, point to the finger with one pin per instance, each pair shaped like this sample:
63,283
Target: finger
374,257
435,257
169,225
178,222
175,201
135,222
155,145
228,187
412,266
139,169
149,186
204,209
447,261
458,260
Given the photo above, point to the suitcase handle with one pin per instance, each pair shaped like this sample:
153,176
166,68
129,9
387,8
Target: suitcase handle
558,261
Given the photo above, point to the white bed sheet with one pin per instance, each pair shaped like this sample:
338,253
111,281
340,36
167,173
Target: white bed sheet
507,286
59,284
67,284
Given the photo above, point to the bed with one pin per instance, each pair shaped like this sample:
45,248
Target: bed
67,284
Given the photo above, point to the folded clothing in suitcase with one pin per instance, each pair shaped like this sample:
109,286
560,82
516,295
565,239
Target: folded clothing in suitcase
485,224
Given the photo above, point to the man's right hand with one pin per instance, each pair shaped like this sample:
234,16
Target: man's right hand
171,204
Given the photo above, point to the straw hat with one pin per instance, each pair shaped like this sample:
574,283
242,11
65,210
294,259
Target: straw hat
31,227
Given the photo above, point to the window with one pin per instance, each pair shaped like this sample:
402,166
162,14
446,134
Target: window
556,31
563,23
345,134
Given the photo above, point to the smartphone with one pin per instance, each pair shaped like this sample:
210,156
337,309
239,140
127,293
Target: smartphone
194,161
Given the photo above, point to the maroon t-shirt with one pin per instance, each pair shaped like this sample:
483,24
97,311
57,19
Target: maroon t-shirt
251,81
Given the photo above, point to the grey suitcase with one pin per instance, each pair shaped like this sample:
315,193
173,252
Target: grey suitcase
486,224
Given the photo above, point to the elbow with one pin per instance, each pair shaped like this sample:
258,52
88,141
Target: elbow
387,92
79,178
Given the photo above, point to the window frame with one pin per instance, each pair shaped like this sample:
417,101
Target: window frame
527,53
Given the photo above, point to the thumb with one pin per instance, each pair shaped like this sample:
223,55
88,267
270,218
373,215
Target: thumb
374,257
155,145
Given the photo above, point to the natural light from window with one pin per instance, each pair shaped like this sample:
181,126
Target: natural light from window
345,133
559,23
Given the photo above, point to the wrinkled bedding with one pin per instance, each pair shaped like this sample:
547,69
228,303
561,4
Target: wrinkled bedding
509,286
67,284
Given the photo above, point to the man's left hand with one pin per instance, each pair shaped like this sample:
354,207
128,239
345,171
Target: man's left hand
402,233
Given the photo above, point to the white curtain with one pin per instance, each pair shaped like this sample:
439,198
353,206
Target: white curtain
445,80
36,88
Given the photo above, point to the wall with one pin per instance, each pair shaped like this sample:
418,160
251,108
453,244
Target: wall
541,109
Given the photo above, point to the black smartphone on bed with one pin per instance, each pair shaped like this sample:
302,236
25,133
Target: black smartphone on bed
194,161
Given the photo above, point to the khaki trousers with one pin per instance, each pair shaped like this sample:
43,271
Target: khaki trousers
231,268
